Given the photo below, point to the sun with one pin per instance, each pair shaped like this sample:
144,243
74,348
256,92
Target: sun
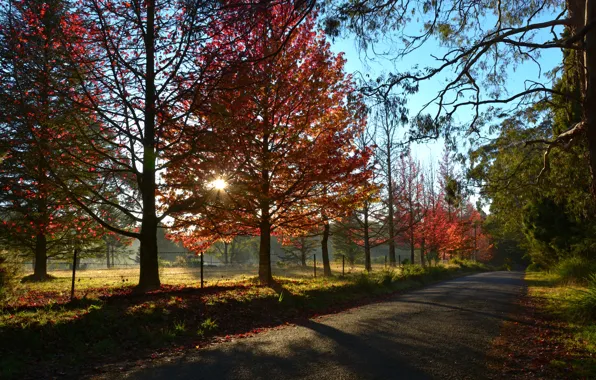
219,184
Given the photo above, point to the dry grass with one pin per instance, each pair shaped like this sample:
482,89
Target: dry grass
220,275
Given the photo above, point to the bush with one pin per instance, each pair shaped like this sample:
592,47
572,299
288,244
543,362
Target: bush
467,264
575,269
180,261
585,308
413,271
365,281
9,273
387,277
534,267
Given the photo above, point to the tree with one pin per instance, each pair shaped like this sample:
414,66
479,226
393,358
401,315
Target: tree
506,170
368,214
450,183
37,216
145,66
235,250
388,118
283,131
409,198
346,235
479,43
298,248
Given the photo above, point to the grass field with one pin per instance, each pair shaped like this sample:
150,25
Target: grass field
188,276
42,332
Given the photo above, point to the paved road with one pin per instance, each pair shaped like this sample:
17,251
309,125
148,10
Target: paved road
439,332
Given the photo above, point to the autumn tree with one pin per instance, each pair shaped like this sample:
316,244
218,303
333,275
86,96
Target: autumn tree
145,66
37,216
283,132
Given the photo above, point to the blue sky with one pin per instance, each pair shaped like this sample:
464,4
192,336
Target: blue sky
357,62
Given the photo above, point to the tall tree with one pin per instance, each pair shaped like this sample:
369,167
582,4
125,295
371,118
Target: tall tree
409,199
388,116
145,66
284,129
299,248
36,215
480,42
369,212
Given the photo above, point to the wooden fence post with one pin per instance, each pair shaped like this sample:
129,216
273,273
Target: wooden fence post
202,270
74,271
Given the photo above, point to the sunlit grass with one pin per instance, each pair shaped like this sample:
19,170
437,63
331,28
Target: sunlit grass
563,300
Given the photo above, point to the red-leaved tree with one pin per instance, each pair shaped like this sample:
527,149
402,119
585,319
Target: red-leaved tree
283,133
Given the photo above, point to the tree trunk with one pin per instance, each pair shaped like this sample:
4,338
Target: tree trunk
149,276
325,250
422,250
226,253
367,262
108,255
265,277
391,212
412,245
590,88
40,271
303,251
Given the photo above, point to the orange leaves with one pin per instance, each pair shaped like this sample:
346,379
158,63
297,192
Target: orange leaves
283,135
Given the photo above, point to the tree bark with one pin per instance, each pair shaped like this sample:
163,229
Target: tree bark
108,255
589,105
303,251
149,276
325,250
422,250
412,245
367,261
265,277
226,253
40,271
390,205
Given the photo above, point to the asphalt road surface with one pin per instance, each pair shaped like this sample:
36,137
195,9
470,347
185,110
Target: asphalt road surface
443,331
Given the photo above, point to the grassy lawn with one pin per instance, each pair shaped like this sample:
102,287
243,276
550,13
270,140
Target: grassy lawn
42,333
566,302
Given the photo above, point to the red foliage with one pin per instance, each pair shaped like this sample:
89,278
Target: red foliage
280,132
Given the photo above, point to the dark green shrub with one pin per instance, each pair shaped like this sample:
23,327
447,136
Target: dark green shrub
585,309
534,267
387,277
575,269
